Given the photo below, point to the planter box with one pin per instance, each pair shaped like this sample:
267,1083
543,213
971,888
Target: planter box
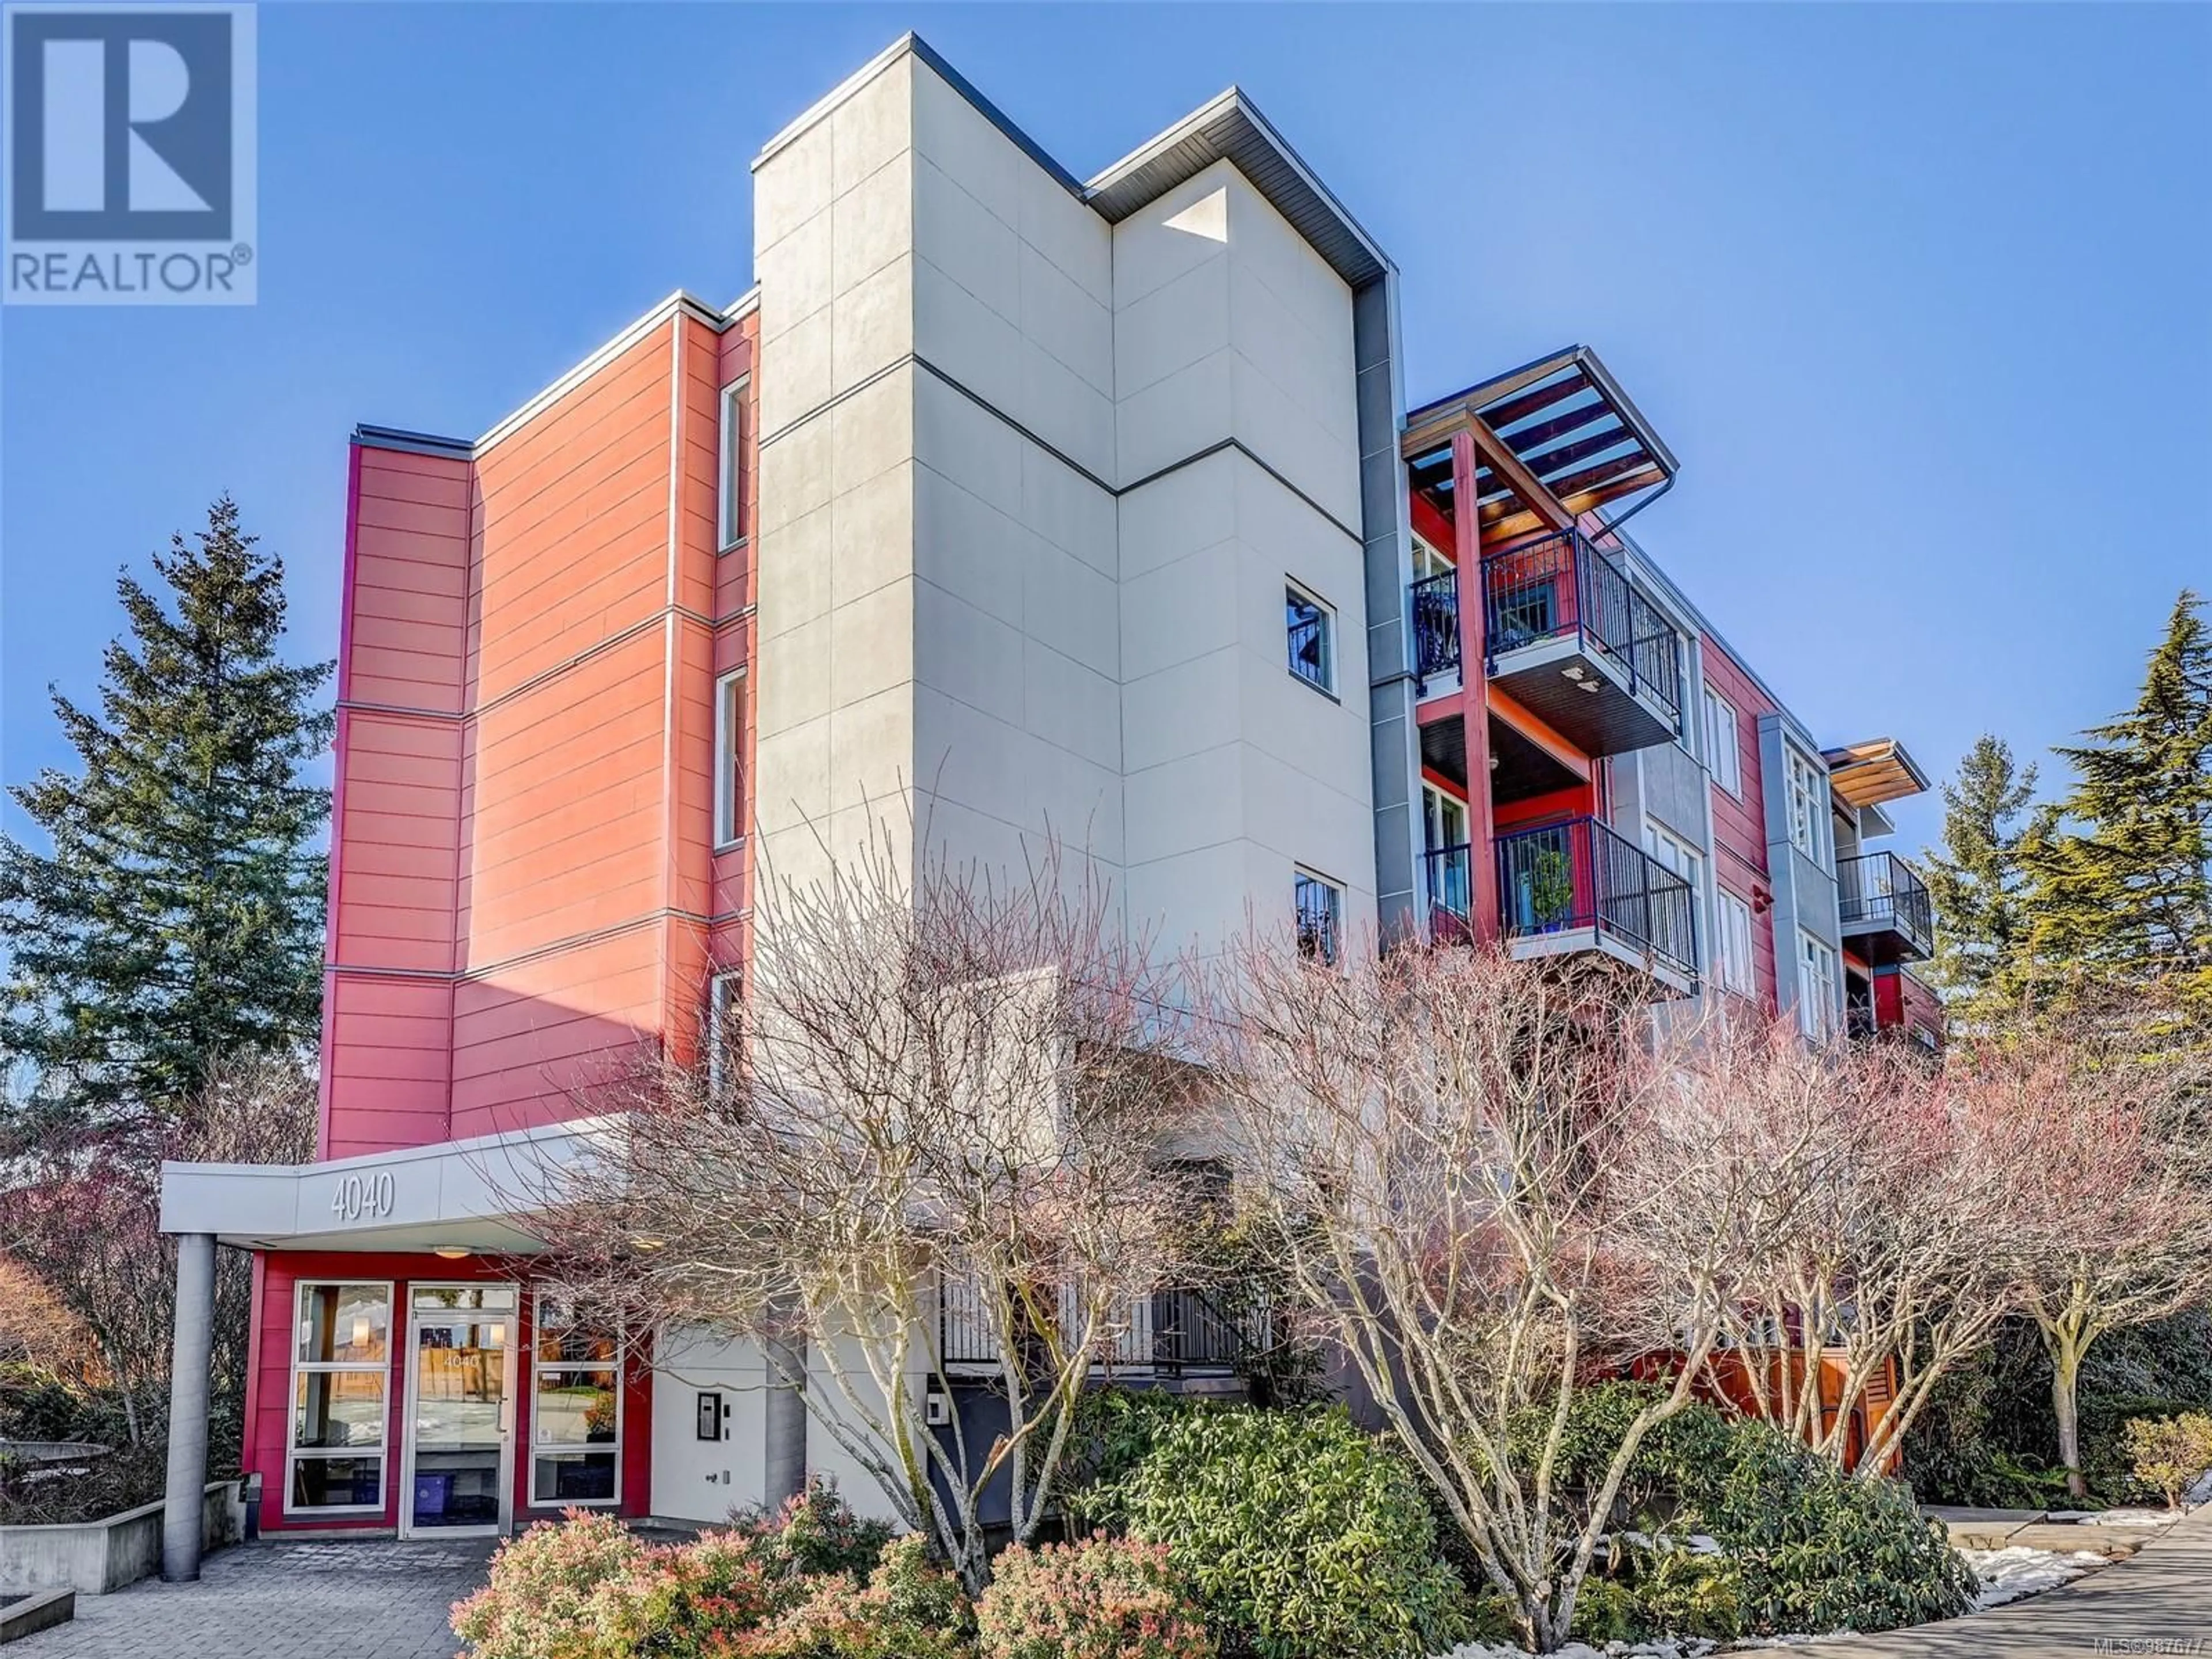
41,1611
96,1556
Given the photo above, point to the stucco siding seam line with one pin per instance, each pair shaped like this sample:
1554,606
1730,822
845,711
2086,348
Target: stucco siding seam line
1067,460
668,645
646,624
575,941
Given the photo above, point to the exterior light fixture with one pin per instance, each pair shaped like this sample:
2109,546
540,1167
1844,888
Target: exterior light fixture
452,1252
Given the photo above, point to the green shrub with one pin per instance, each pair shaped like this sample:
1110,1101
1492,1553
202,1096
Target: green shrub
816,1532
1678,1467
1100,1599
1817,1549
1649,1592
545,1595
2167,1454
1302,1537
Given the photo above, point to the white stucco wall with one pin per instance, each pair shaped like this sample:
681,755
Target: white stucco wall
695,1479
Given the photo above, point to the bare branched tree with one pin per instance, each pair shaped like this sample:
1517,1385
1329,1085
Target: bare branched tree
931,1156
2113,1187
1873,1243
1468,1166
85,1220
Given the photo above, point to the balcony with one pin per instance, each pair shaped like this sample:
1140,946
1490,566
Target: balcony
1571,638
1566,889
1170,1333
1884,909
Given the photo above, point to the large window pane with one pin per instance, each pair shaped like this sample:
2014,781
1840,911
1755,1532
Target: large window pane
338,1409
344,1324
336,1483
572,1478
575,1408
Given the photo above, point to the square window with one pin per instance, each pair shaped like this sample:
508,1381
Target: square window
1312,628
1321,918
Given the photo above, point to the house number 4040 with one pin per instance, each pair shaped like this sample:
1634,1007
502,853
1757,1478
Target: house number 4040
363,1195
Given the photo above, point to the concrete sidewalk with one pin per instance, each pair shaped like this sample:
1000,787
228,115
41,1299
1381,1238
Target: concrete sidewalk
2157,1601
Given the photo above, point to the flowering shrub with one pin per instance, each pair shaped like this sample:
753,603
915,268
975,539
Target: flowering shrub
909,1609
586,1588
548,1588
1101,1599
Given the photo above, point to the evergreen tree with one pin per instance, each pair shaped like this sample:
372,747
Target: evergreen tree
1976,880
2120,895
177,915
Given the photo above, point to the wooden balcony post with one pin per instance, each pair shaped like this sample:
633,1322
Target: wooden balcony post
1473,690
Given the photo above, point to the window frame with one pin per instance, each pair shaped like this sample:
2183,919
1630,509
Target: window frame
1332,953
538,1366
1808,797
1725,756
294,1452
1726,905
731,530
729,758
1816,1018
1295,591
732,980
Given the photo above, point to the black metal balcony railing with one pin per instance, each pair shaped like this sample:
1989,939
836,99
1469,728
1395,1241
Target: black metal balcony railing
1581,874
1881,891
1563,587
1171,1331
1436,625
1446,884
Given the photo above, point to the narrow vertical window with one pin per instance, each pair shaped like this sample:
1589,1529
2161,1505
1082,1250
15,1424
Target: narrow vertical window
1312,630
1721,753
1816,994
576,1405
341,1356
723,992
1807,809
731,483
1732,942
729,758
1321,918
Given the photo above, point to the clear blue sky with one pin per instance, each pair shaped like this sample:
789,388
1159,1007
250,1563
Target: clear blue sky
1919,294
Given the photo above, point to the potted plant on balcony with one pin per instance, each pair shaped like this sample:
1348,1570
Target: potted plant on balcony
1551,889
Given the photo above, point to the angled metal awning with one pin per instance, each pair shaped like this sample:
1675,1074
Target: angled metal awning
1560,426
1868,774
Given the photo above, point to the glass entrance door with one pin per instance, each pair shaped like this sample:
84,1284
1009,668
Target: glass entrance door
458,1476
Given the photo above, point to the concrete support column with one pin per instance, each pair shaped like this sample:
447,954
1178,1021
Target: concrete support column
783,1473
186,1497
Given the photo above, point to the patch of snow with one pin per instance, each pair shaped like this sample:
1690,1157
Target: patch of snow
2117,1517
2016,1570
1661,1650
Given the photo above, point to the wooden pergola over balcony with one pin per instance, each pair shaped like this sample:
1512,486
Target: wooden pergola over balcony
1556,439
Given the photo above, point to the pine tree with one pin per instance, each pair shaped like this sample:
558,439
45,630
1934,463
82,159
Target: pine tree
177,916
1975,879
2120,894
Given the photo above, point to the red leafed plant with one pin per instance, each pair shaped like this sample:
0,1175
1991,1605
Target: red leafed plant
1100,1599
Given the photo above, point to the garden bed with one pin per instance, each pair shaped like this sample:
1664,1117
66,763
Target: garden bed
96,1556
26,1614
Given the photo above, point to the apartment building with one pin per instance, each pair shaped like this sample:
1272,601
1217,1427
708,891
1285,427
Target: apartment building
1006,505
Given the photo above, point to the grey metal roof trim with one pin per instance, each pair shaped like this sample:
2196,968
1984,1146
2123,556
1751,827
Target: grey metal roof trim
1231,128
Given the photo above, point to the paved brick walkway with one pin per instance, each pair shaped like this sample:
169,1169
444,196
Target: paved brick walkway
2157,1601
366,1600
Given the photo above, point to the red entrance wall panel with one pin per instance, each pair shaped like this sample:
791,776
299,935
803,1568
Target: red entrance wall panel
269,1386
